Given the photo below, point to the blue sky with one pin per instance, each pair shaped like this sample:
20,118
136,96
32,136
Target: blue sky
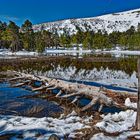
39,11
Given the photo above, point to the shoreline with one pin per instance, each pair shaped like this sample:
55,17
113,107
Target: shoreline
4,54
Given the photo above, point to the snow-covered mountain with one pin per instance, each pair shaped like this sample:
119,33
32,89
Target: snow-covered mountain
111,22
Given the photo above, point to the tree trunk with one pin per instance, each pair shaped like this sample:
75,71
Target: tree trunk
138,102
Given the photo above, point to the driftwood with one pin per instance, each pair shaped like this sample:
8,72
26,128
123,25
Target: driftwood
59,93
42,88
21,84
93,102
95,94
16,78
75,99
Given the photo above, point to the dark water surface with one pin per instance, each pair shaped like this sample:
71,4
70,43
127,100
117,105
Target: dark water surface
10,103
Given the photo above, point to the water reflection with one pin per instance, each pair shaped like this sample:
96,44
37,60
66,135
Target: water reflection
104,68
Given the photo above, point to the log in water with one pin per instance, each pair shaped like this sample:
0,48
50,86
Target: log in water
95,94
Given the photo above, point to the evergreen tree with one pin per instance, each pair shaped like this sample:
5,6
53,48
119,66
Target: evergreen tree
27,27
3,26
88,41
130,31
56,41
39,42
28,36
13,27
138,28
47,37
11,37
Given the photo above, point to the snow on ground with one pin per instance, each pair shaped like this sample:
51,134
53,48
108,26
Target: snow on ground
68,51
49,51
31,127
19,53
123,136
42,128
125,52
128,103
117,122
111,22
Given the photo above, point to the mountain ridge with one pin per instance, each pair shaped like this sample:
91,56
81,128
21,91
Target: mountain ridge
120,21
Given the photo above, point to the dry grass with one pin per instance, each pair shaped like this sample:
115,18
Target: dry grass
33,110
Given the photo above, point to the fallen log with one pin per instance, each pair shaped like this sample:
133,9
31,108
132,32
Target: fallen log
75,99
16,78
59,93
92,103
96,94
42,88
71,95
21,84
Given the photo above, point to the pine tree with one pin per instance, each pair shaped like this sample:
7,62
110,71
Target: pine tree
138,27
88,41
13,27
28,36
27,27
11,36
39,42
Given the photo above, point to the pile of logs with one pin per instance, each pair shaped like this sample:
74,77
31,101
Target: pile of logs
67,90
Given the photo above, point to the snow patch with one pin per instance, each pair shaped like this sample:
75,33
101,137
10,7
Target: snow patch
125,52
117,122
123,136
19,53
128,103
31,127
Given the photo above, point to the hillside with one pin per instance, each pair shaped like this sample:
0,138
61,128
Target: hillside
111,22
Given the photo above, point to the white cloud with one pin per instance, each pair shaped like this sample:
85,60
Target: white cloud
7,17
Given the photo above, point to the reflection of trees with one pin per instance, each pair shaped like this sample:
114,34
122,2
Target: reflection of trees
44,64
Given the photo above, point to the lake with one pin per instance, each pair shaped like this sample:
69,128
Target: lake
111,72
11,103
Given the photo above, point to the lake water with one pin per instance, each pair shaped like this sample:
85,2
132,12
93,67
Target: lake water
12,104
100,68
117,73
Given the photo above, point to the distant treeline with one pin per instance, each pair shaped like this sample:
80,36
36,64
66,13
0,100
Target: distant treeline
17,38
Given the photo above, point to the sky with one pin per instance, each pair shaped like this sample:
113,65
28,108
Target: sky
40,11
